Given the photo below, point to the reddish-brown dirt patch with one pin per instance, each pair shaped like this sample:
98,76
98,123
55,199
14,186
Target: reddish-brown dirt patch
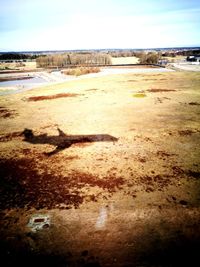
22,185
91,90
186,132
50,97
6,113
194,104
156,90
162,154
156,182
5,79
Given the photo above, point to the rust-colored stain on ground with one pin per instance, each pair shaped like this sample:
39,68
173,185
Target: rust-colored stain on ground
50,97
6,113
194,103
24,185
186,132
157,90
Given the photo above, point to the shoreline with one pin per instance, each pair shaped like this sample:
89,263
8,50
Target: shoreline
57,77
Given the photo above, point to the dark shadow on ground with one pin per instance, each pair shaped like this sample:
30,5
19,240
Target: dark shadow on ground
63,141
171,250
19,253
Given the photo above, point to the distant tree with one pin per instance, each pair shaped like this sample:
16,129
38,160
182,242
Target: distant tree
63,60
149,58
13,56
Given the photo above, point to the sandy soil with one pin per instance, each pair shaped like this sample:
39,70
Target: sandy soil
113,161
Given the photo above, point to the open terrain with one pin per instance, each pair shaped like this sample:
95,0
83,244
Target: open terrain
114,163
125,60
18,66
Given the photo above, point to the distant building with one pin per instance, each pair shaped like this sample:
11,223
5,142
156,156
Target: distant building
195,58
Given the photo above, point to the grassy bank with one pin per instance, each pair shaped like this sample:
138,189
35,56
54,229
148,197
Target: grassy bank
81,71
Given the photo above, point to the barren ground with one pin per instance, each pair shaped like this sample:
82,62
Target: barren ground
115,163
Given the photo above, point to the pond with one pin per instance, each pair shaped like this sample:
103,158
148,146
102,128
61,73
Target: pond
19,85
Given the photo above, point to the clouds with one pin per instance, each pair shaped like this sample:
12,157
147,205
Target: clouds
63,24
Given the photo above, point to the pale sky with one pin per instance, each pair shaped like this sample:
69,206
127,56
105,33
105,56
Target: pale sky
98,24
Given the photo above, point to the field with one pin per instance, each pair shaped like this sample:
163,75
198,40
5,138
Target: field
124,60
32,65
114,162
175,59
19,66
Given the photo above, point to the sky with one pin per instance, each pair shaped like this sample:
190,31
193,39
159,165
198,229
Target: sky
33,25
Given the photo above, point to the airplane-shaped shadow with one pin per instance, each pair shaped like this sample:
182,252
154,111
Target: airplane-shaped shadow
63,141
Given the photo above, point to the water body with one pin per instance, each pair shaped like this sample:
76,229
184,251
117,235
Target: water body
22,82
17,86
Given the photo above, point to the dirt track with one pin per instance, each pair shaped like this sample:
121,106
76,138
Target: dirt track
130,199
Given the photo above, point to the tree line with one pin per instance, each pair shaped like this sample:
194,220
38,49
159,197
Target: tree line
123,53
190,52
16,56
64,60
144,57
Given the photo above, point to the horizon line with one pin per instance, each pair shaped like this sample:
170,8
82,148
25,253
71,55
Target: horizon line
101,49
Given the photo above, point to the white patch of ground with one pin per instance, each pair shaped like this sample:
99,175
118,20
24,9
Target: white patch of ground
187,66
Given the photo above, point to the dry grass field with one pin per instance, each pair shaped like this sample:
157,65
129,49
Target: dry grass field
20,66
124,60
175,59
114,162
